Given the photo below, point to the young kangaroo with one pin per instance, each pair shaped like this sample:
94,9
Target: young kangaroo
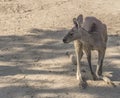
87,36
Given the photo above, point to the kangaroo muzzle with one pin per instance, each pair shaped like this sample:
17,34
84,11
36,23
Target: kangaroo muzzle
64,40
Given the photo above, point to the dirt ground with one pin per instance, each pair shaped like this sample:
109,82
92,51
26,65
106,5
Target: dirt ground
33,63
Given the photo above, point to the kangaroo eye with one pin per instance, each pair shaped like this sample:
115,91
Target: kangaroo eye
71,34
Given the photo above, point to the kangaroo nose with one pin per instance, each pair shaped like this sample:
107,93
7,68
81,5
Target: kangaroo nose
64,40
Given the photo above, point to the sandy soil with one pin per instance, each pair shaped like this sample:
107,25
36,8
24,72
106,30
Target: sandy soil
33,63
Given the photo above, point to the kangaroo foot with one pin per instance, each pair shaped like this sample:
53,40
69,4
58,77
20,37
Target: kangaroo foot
94,77
83,85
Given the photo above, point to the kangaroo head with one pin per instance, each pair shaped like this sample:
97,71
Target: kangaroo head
74,33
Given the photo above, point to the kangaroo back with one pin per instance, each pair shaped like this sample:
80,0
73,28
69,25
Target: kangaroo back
92,24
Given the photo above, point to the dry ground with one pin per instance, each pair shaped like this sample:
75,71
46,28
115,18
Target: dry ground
33,63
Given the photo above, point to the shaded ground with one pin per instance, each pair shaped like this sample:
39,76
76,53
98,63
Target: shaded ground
33,63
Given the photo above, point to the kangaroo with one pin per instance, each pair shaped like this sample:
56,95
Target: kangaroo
88,35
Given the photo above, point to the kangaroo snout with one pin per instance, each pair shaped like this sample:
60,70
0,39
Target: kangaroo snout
64,40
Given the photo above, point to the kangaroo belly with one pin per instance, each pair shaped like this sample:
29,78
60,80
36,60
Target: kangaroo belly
94,46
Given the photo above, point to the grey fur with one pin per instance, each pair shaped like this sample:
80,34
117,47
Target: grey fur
89,34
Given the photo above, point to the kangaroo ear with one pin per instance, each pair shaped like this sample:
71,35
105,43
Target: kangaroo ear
75,22
80,19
